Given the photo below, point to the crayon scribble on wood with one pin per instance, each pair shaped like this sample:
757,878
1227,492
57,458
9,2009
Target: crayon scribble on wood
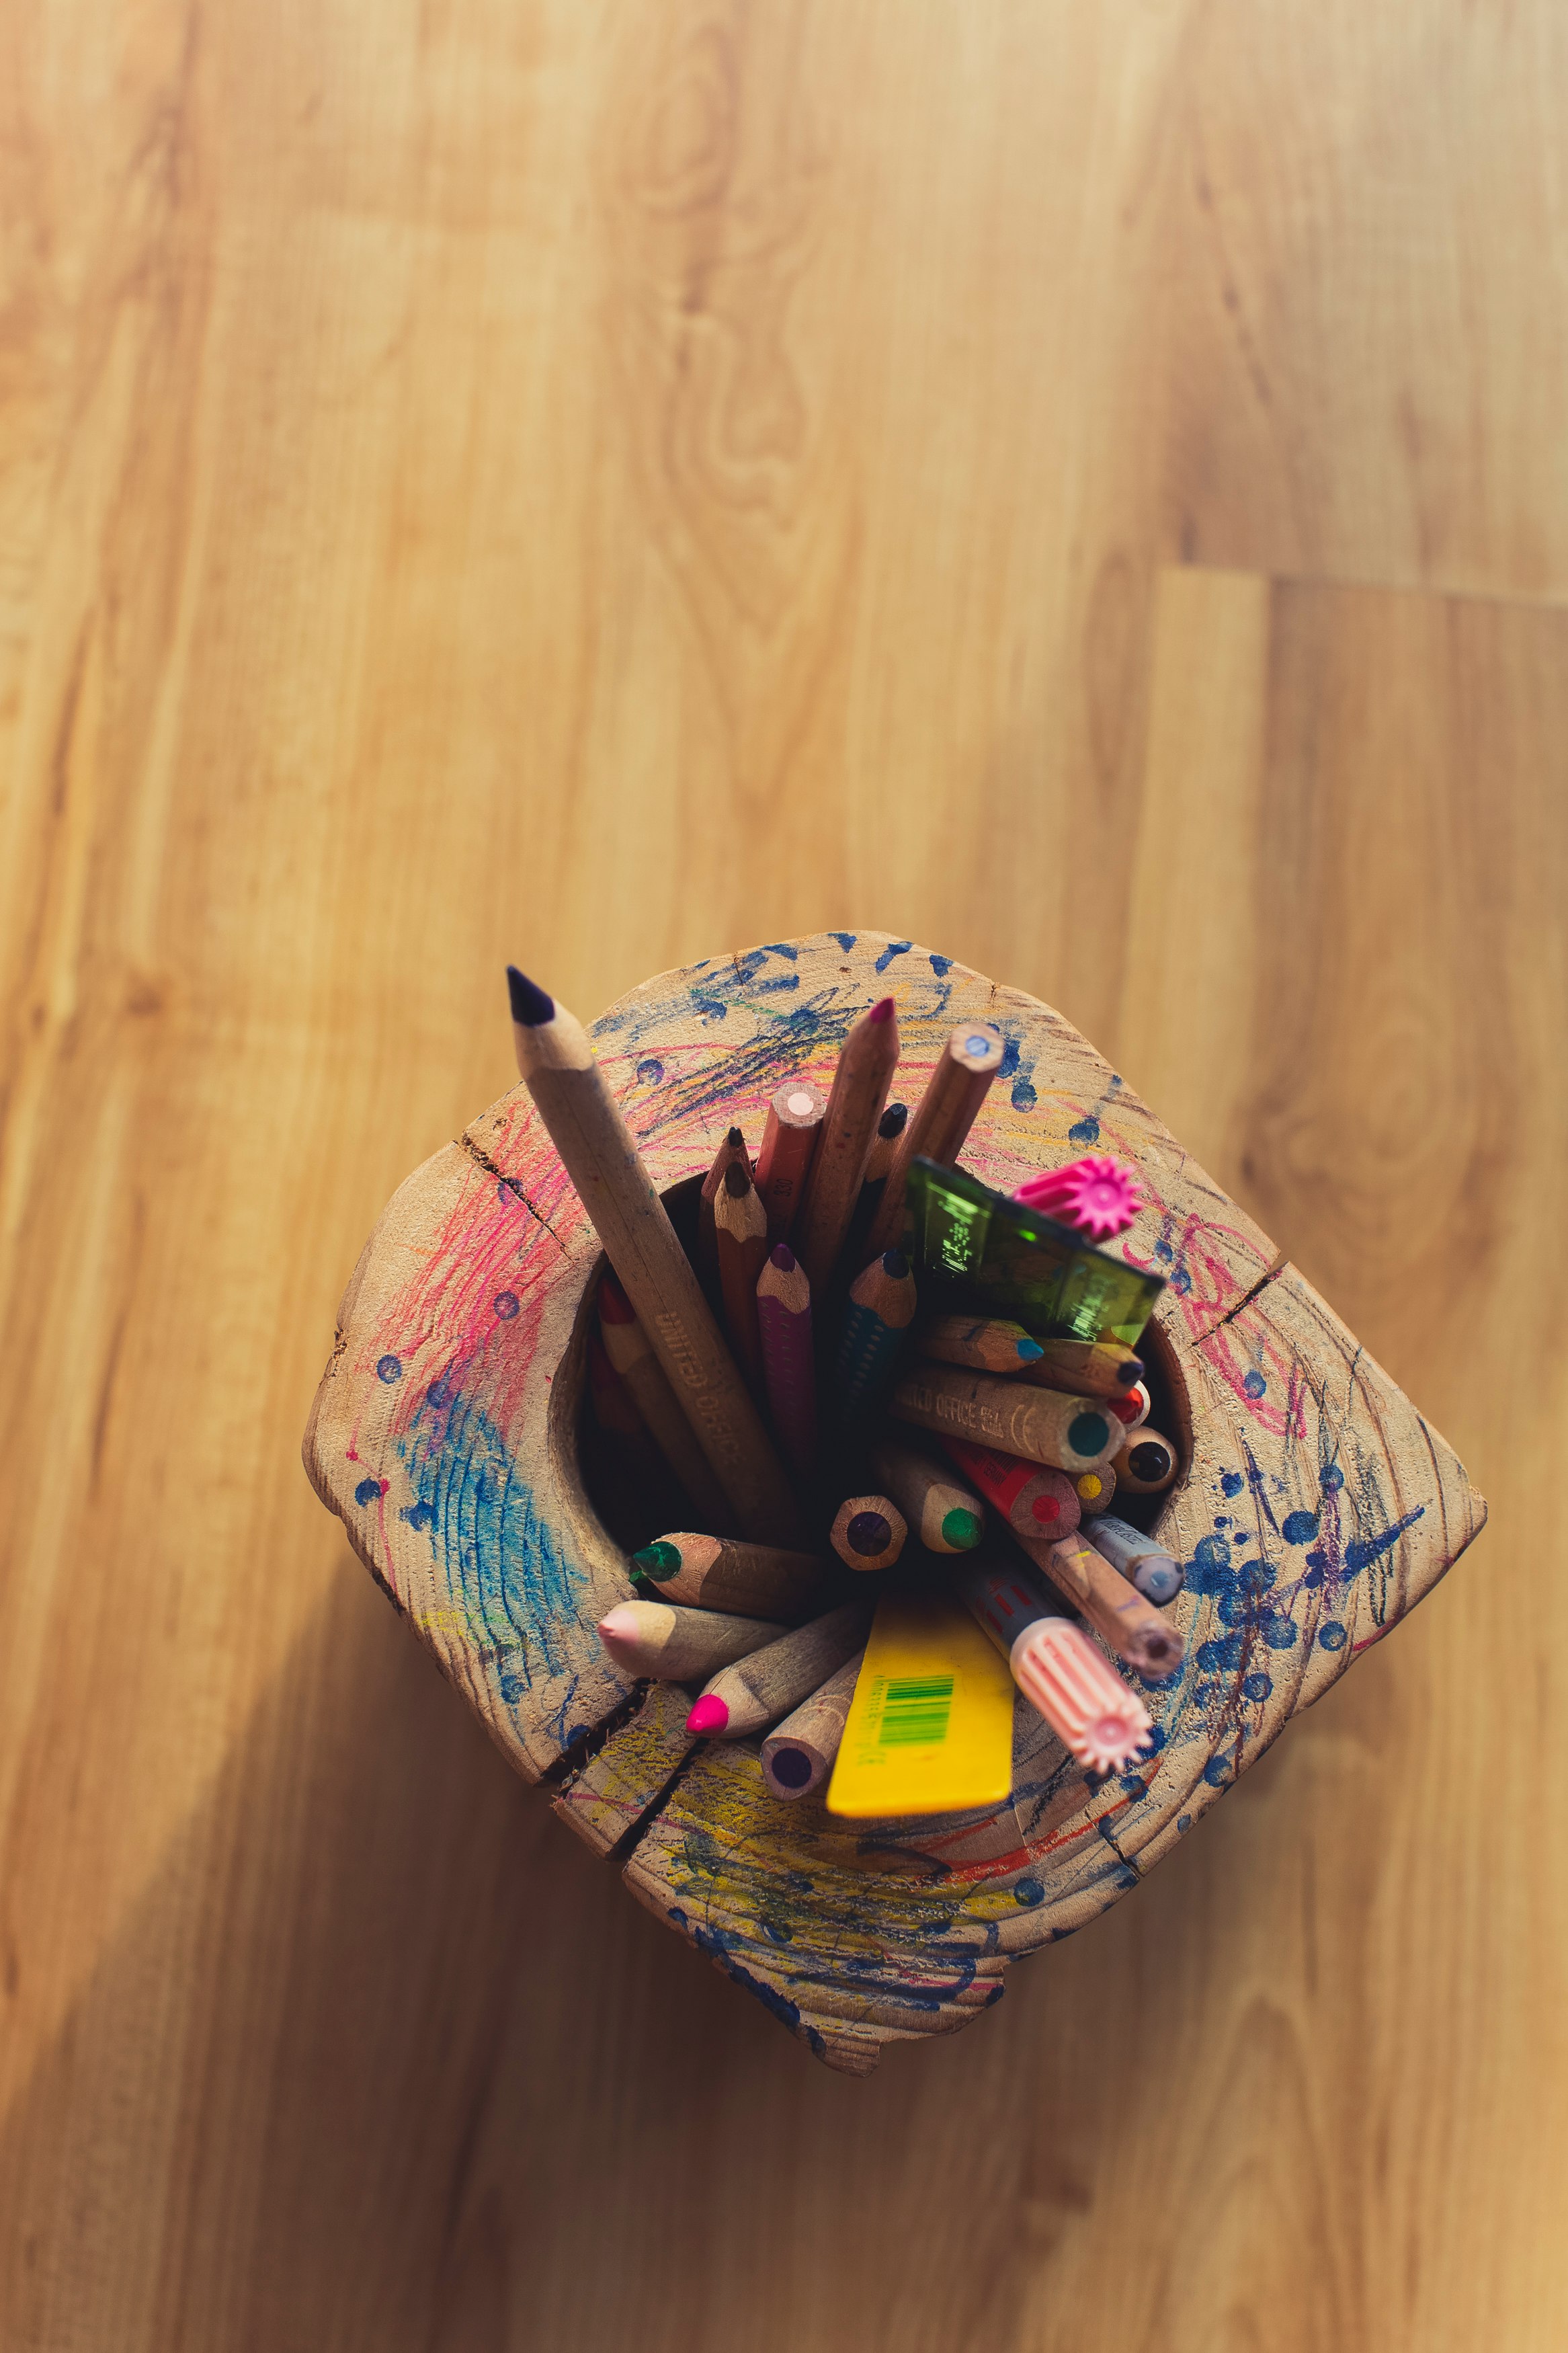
1318,1505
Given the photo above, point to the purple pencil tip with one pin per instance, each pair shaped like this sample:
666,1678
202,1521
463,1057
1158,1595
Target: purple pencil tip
529,1004
782,1257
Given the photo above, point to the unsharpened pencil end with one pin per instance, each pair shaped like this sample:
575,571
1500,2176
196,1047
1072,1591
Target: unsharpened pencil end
707,1715
529,1004
882,1010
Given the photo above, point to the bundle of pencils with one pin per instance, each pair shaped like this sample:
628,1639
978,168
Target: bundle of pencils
836,1392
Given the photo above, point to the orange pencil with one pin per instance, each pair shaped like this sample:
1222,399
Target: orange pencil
941,1120
740,1234
732,1150
789,1144
860,1083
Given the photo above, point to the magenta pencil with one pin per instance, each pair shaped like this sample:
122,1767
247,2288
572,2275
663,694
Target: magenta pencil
783,1318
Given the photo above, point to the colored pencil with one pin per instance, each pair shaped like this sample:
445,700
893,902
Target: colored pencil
1131,1407
789,1368
762,1687
987,1343
718,1573
789,1144
1055,1666
1033,1501
945,1516
651,1638
860,1083
1151,1566
1133,1627
1071,1433
628,1347
732,1151
872,1338
596,1149
874,1183
959,1084
1096,1491
742,1231
798,1754
1102,1368
1147,1463
868,1532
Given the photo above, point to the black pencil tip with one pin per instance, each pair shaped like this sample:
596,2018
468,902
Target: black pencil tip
529,1004
894,1262
892,1120
735,1140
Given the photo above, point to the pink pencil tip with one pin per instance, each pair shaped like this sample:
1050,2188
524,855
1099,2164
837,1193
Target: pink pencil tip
707,1715
619,1624
882,1010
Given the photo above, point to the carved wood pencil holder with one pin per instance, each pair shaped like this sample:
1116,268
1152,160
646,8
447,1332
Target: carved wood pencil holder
1314,1507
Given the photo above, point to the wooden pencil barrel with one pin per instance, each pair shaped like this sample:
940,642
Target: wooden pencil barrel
1312,1509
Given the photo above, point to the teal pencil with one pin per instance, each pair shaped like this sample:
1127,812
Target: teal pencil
876,1325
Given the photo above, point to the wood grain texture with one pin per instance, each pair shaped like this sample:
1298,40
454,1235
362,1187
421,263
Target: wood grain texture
590,484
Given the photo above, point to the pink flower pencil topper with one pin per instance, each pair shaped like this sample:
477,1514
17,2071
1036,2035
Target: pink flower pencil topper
1098,1195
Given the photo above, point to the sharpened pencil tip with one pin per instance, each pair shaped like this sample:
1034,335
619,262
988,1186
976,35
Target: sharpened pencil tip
782,1257
1130,1373
619,1624
1028,1350
529,1004
893,1120
735,1140
882,1010
707,1715
894,1262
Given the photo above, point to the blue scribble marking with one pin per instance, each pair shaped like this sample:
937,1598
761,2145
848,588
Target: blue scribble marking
713,1009
845,939
1332,1635
941,966
1084,1131
781,980
505,1304
1299,1528
442,1390
368,1491
419,1517
894,948
1332,1479
388,1369
784,948
651,1071
512,1575
1364,1550
1164,1251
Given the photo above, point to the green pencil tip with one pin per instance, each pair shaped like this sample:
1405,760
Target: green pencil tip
658,1561
960,1529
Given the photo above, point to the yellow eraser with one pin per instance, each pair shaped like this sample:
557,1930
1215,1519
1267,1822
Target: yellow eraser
931,1726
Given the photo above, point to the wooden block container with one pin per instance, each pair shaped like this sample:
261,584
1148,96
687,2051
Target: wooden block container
1314,1508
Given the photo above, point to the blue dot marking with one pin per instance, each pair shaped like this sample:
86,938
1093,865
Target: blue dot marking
1084,1131
1254,1385
1299,1528
505,1304
368,1490
1332,1635
388,1369
1028,1892
651,1072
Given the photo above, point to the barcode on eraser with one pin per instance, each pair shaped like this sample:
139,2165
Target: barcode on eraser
915,1709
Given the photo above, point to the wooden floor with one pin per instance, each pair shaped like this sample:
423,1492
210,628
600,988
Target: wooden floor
1081,484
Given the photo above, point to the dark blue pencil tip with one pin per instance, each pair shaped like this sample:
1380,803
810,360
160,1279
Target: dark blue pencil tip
529,1004
895,1262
